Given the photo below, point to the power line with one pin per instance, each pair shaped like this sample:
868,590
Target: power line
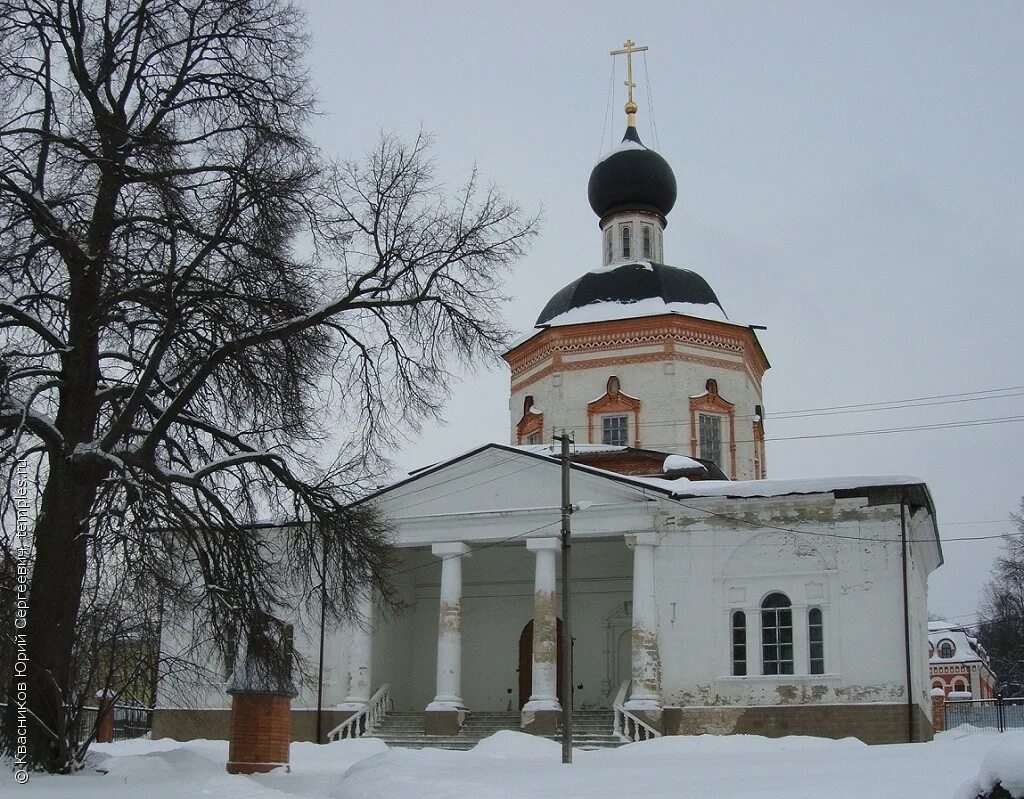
980,521
529,465
650,102
865,539
763,526
473,549
608,112
881,431
907,429
891,405
895,407
901,401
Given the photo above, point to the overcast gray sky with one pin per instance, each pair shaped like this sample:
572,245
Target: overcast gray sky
850,175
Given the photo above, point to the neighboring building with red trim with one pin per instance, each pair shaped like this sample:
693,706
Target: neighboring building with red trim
957,662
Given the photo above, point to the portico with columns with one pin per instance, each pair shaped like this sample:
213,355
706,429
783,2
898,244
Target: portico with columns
477,594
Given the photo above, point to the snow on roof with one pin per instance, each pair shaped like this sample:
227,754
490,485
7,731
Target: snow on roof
644,264
627,144
651,306
772,488
966,648
678,463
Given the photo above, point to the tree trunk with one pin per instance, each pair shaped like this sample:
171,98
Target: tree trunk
61,537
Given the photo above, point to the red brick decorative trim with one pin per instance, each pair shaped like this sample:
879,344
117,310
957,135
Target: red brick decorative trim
532,423
613,401
549,345
710,402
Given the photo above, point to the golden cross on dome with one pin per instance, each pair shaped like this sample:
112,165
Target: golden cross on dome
627,50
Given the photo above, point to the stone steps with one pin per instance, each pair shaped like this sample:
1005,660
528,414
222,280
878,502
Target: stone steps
592,729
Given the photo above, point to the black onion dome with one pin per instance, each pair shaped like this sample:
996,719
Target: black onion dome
632,178
630,283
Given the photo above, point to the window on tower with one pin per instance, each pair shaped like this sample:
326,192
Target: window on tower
615,430
710,431
625,242
648,243
609,247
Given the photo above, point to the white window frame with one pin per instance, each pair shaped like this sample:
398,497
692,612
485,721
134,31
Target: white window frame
810,640
780,663
735,646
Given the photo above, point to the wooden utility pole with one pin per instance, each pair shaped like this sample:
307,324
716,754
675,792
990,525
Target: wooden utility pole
566,440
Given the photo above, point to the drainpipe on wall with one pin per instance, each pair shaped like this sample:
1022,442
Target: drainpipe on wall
906,622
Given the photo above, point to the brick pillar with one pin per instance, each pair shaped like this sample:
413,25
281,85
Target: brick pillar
104,717
938,710
261,733
261,693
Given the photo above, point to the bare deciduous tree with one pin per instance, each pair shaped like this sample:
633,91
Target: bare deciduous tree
1001,622
190,296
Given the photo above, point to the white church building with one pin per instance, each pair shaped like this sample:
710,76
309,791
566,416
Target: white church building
706,597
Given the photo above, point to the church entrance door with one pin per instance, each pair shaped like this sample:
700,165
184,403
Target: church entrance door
526,663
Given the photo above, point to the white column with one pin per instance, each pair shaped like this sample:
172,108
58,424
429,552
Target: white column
646,691
545,627
449,628
360,653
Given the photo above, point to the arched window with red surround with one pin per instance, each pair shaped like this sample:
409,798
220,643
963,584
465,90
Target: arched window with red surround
713,428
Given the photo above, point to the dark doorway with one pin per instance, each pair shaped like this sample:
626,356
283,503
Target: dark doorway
526,663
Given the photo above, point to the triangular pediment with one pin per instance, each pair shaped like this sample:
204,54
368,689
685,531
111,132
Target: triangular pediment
497,491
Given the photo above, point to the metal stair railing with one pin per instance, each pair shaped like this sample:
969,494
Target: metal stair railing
362,722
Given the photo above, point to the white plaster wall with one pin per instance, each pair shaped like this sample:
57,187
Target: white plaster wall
197,678
919,529
664,387
705,570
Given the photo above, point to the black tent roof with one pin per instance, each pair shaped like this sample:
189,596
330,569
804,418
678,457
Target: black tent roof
630,283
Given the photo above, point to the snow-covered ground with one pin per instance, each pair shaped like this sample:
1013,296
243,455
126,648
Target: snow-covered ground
512,765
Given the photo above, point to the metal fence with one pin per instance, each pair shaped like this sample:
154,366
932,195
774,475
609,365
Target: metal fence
997,714
130,721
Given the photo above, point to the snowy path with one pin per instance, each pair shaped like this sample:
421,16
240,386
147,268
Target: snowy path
511,765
